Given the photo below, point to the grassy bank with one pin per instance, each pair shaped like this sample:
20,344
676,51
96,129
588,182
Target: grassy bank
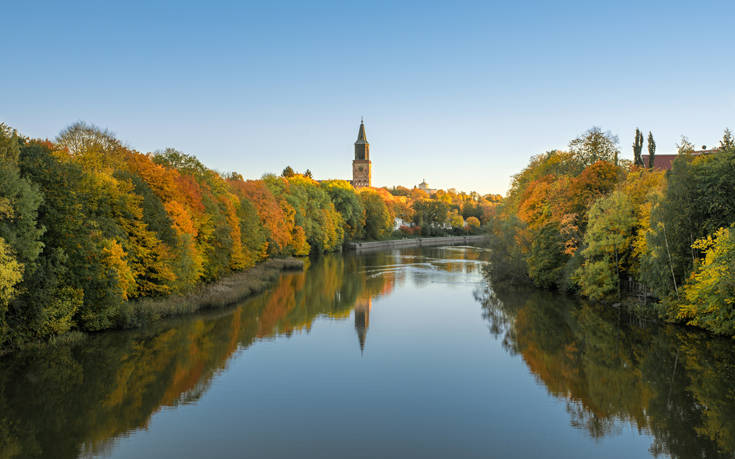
224,292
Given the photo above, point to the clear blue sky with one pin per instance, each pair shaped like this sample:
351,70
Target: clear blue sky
459,93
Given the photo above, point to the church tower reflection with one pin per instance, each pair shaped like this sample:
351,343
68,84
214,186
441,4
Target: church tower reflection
362,319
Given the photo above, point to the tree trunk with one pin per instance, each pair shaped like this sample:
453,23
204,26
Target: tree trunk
671,265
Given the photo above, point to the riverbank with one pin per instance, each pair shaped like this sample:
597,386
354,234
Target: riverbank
414,242
226,291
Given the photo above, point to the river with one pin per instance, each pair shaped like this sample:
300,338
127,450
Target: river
408,353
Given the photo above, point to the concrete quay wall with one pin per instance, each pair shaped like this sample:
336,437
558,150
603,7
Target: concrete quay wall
415,242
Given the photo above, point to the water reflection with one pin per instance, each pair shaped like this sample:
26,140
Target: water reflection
76,400
610,371
362,319
613,371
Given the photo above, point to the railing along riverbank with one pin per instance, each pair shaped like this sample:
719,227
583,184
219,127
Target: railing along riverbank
415,242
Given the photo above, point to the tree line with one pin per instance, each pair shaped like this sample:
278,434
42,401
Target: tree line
78,398
618,231
88,224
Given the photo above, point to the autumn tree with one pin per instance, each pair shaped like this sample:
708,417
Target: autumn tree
709,294
430,215
276,216
456,220
595,145
348,204
92,147
89,226
378,219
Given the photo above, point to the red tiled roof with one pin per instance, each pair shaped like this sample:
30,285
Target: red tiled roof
665,162
660,161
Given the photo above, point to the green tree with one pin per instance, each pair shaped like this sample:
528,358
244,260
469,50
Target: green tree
727,144
9,144
637,148
314,211
349,205
79,215
651,149
288,172
187,164
19,201
668,256
378,219
608,243
253,234
507,260
546,257
697,202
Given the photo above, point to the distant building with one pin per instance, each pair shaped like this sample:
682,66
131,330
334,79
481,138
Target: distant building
361,165
398,222
666,162
423,186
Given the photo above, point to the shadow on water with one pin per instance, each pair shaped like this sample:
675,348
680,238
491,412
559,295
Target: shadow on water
613,370
76,400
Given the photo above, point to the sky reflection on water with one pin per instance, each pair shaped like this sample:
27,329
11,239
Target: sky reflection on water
391,354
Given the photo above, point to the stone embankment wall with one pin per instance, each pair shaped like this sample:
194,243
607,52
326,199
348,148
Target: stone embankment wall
415,242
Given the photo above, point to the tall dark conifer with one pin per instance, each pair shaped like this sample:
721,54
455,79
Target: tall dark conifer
651,149
637,148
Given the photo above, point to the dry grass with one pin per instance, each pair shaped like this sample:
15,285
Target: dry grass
224,292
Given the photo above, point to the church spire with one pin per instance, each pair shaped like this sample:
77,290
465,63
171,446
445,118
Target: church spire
361,166
361,139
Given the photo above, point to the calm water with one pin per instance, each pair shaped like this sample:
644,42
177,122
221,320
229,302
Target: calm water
393,354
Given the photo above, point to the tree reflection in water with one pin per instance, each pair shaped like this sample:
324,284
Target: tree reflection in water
612,370
72,400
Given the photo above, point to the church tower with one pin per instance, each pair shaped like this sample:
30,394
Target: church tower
361,165
362,319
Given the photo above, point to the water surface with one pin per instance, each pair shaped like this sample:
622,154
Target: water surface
407,353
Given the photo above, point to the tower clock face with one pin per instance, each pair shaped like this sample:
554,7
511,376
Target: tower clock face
359,168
